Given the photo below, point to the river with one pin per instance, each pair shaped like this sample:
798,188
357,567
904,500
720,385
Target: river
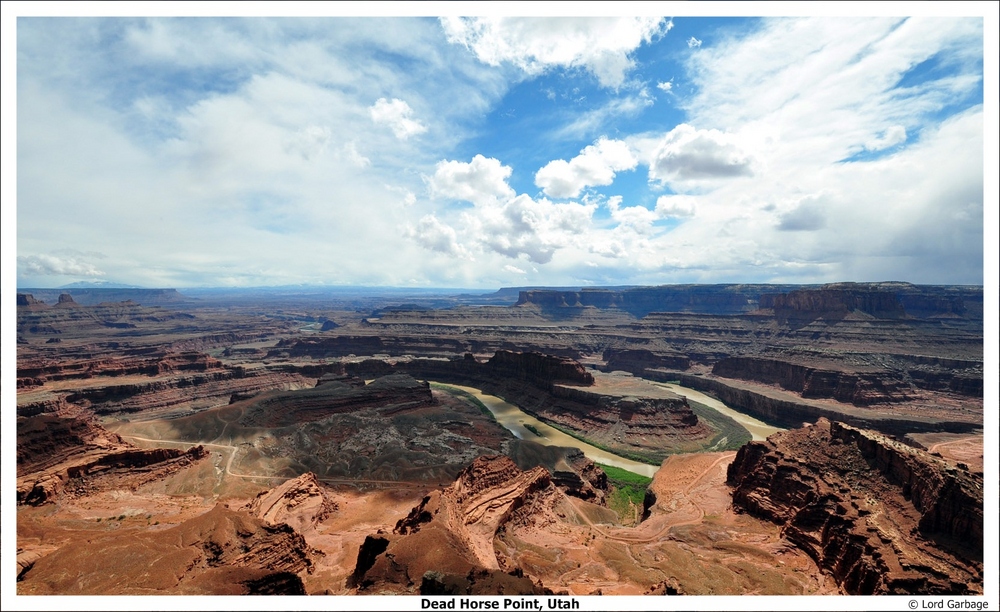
516,420
758,429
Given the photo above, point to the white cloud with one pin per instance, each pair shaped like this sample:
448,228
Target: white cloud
890,138
600,45
501,221
636,218
533,228
689,154
595,120
841,89
350,150
50,265
514,269
263,128
809,215
309,142
665,85
481,180
436,236
676,206
694,43
595,165
397,115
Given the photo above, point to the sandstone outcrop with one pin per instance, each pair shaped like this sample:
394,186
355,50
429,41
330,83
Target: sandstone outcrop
67,450
640,301
637,360
149,380
447,541
538,369
65,300
28,300
834,303
98,295
571,470
376,342
114,366
791,410
388,393
69,318
303,503
879,516
860,389
221,552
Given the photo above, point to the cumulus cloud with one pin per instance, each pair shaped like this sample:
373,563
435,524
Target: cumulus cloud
676,206
694,43
397,115
481,180
502,221
50,265
890,138
636,218
436,236
665,86
595,165
533,228
686,154
600,45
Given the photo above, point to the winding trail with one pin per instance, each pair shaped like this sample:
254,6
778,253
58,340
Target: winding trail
402,484
935,447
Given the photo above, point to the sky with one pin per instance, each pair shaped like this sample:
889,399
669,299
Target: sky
499,151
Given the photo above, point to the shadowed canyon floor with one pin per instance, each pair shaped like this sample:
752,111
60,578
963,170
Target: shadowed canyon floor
285,444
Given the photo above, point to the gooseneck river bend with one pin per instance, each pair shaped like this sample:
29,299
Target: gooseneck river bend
516,421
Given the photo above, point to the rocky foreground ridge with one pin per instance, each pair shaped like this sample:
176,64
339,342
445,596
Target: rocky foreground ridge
446,543
879,516
221,552
67,451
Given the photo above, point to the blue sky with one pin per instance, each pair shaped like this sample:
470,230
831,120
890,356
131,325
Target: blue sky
488,152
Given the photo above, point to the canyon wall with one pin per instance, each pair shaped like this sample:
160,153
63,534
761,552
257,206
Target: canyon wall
880,516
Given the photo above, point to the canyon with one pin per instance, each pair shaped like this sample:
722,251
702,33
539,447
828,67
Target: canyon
287,443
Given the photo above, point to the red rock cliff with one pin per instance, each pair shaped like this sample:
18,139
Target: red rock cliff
880,516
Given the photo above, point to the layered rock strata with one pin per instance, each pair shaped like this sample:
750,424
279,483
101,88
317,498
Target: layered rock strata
388,393
879,516
446,543
67,451
221,552
858,388
302,502
790,410
834,302
558,390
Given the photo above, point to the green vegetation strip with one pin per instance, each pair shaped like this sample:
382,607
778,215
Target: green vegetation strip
628,490
533,430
